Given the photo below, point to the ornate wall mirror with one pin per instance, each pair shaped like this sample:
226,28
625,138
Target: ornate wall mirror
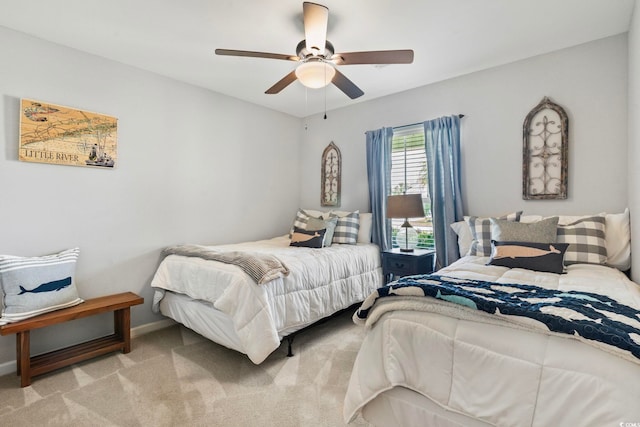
545,152
331,176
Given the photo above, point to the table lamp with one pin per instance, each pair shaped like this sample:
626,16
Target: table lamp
406,206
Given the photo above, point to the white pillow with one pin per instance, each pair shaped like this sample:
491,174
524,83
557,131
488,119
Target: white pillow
317,214
364,233
35,285
531,218
617,238
465,238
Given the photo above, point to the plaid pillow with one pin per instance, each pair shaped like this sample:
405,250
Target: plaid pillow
481,233
301,220
347,228
586,240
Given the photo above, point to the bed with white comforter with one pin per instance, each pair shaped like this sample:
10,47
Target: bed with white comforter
223,303
430,362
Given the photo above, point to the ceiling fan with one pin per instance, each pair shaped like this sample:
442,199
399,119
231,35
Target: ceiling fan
318,59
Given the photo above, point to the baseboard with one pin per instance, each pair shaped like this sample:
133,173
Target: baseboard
10,366
150,327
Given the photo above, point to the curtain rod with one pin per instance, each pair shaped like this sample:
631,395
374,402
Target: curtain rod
419,123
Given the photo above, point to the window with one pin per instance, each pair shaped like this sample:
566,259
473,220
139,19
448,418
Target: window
409,176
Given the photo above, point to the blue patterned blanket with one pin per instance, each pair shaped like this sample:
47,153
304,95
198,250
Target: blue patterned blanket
588,315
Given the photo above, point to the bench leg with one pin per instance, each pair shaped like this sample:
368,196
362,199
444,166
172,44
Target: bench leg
122,327
23,357
18,352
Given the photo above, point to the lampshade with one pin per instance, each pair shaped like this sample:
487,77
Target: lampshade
315,74
405,206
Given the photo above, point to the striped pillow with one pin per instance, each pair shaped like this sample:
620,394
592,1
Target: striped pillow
586,238
347,228
37,285
481,232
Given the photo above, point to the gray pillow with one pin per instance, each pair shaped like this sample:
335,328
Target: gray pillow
37,285
314,224
543,231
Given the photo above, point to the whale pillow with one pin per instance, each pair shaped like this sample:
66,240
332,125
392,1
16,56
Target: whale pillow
37,285
307,238
544,257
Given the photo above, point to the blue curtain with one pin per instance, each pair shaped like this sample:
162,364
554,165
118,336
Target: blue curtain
442,144
379,176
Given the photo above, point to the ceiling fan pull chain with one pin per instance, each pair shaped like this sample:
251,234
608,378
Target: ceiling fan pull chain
325,94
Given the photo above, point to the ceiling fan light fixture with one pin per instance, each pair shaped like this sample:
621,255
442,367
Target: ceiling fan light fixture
315,74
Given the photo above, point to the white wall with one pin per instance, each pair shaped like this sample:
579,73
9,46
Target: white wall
193,167
589,81
634,139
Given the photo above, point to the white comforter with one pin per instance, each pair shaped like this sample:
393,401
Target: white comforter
321,282
495,371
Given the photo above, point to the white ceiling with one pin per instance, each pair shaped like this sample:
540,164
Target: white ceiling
450,38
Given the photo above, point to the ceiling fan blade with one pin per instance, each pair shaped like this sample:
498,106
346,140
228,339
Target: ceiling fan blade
374,57
248,53
316,18
284,82
347,86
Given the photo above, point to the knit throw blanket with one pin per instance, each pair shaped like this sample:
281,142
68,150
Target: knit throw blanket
262,268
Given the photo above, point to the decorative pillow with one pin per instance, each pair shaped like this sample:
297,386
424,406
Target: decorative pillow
618,240
307,238
365,221
364,232
323,224
481,232
586,238
347,228
543,231
36,285
545,257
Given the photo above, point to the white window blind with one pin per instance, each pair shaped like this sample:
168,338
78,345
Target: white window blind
409,176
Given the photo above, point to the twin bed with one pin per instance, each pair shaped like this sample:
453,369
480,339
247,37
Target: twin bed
444,361
223,303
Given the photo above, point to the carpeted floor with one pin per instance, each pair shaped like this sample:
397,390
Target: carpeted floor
174,377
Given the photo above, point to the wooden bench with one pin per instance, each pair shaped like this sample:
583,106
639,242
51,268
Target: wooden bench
28,366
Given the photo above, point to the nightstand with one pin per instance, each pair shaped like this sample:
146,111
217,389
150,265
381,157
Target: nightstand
397,264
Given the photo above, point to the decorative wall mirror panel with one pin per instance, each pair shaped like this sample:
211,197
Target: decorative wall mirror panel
545,152
331,176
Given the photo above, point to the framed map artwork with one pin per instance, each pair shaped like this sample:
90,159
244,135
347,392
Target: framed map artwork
66,136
